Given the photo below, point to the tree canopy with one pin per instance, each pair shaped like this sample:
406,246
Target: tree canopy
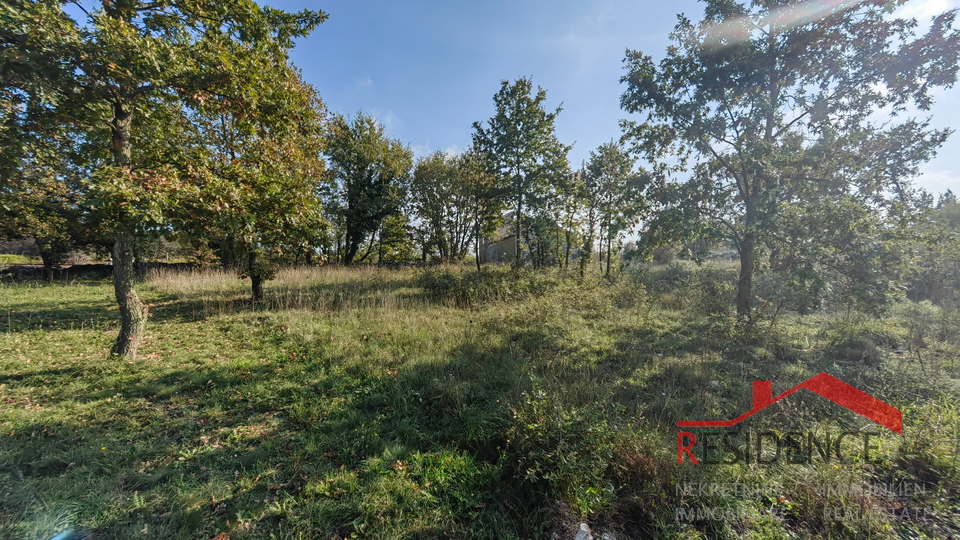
126,78
372,172
519,145
775,105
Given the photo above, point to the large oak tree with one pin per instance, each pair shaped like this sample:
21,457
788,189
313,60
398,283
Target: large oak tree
772,105
123,64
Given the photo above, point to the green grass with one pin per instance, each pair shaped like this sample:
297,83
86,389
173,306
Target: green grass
397,404
6,258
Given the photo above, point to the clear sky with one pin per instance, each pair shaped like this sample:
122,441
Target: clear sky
428,69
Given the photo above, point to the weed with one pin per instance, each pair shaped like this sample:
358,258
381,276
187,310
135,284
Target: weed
399,404
569,448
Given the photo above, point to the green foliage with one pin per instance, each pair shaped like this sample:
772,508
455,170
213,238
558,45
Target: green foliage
933,272
714,294
255,178
130,81
775,140
440,196
6,258
919,319
569,448
612,196
393,240
372,172
464,288
262,268
928,452
520,147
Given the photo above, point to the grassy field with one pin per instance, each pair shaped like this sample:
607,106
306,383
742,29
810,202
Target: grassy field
6,258
371,403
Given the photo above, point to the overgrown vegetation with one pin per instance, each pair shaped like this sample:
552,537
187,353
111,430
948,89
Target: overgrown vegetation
374,403
366,402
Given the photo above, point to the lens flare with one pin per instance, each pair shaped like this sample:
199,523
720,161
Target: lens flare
738,29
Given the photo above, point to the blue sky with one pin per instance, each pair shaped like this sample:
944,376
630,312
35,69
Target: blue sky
429,69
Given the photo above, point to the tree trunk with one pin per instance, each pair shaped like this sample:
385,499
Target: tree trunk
478,253
133,312
587,244
47,259
476,228
600,252
745,284
516,230
444,246
380,244
256,280
609,249
352,240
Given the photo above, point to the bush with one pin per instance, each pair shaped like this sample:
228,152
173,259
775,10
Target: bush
667,278
713,295
856,349
629,293
569,448
466,288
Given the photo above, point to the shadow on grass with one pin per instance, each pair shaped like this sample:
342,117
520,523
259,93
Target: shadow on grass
311,446
79,311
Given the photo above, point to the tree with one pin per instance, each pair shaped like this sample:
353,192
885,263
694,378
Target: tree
441,200
484,198
934,269
520,147
40,198
393,239
574,218
771,105
372,172
256,180
41,188
613,196
132,59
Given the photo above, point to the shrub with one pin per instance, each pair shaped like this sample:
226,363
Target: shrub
713,296
466,288
568,448
856,349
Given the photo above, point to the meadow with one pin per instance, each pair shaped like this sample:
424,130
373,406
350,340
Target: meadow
442,403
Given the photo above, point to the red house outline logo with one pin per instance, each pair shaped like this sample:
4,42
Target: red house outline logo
824,385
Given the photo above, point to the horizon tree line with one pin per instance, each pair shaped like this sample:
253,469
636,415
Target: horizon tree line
187,119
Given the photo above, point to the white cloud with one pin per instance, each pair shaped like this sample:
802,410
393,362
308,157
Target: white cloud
365,82
923,10
420,150
426,149
389,120
452,150
938,181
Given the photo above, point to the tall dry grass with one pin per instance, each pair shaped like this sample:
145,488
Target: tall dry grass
331,288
